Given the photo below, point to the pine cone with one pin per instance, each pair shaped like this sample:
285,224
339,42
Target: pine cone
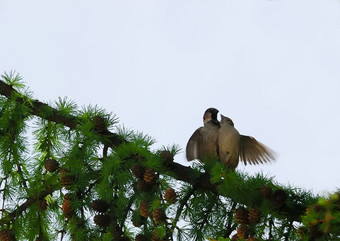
102,220
243,231
141,237
67,206
138,171
144,208
241,215
143,186
170,196
266,192
167,157
279,197
159,215
100,205
150,176
7,235
51,165
42,204
254,216
65,178
99,124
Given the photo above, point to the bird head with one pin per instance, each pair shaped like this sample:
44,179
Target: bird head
225,119
210,115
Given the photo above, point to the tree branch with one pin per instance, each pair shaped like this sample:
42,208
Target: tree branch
175,170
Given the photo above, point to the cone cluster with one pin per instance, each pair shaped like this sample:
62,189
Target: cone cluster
278,198
246,220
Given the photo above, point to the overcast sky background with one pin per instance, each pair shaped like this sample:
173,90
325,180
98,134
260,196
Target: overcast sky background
273,66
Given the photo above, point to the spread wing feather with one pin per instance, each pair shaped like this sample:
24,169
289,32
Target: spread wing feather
254,152
193,146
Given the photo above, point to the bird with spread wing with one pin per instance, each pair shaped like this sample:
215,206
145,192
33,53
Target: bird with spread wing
220,140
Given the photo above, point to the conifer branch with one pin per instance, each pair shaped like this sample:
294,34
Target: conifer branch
25,205
174,169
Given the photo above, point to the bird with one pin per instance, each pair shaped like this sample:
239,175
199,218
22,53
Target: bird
220,140
203,144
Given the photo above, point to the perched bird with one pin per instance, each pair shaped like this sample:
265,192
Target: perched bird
220,140
203,144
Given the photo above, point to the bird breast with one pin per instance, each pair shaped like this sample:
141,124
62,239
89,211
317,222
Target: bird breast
228,145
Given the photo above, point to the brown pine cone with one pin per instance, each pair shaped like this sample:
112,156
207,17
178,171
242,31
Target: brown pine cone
279,197
67,208
144,209
254,216
150,176
159,215
167,157
42,204
99,124
141,237
143,186
243,231
170,195
99,205
138,171
65,178
7,235
102,220
51,165
241,215
266,192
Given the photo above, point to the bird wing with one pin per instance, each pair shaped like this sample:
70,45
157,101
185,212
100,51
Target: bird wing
254,152
193,146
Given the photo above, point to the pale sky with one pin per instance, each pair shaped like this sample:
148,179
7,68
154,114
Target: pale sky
273,66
